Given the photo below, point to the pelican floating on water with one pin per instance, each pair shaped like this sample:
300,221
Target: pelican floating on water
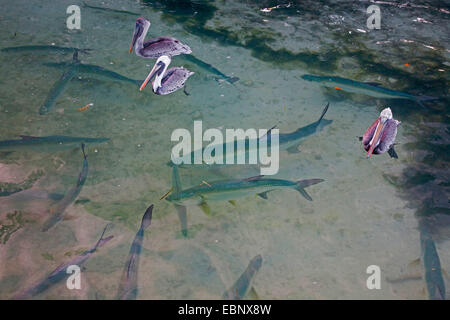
380,136
166,81
156,47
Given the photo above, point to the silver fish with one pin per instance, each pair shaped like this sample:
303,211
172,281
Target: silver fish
60,272
128,285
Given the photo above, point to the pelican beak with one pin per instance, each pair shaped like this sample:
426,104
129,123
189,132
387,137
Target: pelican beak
150,76
376,137
135,36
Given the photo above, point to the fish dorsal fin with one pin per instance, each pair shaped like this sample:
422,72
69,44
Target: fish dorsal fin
28,137
323,112
176,183
254,178
263,195
375,84
268,132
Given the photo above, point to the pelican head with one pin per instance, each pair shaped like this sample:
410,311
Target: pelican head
158,71
385,115
140,30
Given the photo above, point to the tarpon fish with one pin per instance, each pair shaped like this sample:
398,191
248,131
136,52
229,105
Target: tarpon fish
291,141
45,48
128,285
60,273
244,284
380,136
109,9
210,68
286,141
372,89
432,265
230,190
60,86
47,144
57,213
95,70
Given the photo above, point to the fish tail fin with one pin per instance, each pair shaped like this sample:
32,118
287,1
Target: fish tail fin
82,149
302,184
147,218
102,240
232,79
323,112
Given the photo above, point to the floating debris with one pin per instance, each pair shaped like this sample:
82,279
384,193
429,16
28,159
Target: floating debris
422,20
167,193
276,7
204,182
85,107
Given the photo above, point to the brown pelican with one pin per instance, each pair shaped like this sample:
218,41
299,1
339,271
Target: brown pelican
380,136
156,47
166,81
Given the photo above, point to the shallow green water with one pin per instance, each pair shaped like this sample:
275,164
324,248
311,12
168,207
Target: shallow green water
367,212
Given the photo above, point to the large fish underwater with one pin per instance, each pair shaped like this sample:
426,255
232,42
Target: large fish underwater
61,85
432,267
71,70
244,285
47,144
44,49
287,141
60,273
128,287
372,89
427,268
57,212
229,190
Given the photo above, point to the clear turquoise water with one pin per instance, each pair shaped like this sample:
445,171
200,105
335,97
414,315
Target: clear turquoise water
366,212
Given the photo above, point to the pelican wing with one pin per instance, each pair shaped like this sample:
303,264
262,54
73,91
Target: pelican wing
173,80
388,136
164,46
